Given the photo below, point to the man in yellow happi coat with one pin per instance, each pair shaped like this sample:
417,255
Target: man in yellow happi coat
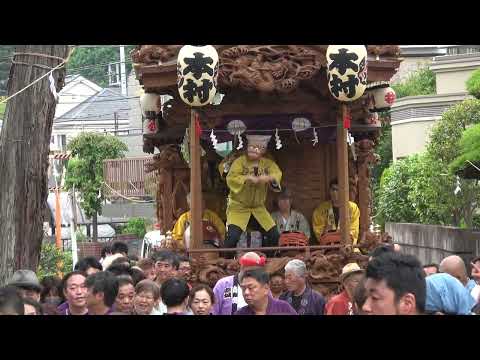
249,178
326,216
211,222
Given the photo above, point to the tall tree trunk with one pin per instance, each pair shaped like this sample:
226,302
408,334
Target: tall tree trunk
95,227
24,148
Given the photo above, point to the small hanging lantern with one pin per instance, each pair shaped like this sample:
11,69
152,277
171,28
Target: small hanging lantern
381,96
150,104
374,119
197,71
151,107
347,71
236,127
301,124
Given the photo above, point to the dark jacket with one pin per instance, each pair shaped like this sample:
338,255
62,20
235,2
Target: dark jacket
312,302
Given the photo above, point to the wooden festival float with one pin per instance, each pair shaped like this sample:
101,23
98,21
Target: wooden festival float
281,90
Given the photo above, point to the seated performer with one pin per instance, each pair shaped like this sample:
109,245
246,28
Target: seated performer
248,179
287,219
326,216
212,225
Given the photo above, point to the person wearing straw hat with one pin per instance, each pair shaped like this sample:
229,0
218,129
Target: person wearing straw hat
249,178
342,304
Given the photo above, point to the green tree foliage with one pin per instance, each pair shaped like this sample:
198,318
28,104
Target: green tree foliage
421,189
446,133
93,58
420,82
392,197
50,257
2,109
473,84
137,226
85,170
469,149
6,51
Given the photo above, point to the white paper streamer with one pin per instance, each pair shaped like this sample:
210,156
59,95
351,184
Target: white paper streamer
315,137
278,142
351,142
458,188
214,140
240,142
53,89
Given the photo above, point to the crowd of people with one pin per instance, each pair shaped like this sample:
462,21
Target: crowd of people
393,283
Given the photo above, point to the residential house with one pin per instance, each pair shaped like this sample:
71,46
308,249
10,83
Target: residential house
413,116
77,90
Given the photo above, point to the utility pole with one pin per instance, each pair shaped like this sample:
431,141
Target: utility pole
115,117
123,72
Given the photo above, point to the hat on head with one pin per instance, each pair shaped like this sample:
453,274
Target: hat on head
350,269
252,259
447,294
259,140
25,278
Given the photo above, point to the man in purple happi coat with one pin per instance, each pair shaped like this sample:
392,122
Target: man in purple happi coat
228,293
255,287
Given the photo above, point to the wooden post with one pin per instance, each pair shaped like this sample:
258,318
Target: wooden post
342,163
196,233
58,220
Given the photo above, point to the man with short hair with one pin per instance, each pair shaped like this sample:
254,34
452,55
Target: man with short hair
126,295
342,304
174,294
184,268
11,303
166,267
148,268
213,227
455,266
430,269
395,285
300,296
27,284
102,290
89,265
228,293
381,249
75,293
326,217
256,290
119,250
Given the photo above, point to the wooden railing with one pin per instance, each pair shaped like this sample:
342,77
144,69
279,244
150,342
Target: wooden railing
127,177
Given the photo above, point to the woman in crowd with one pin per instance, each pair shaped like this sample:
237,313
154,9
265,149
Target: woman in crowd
201,300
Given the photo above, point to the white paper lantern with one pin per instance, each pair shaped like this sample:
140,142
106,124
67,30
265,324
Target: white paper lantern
381,97
236,127
150,126
384,98
347,71
150,104
301,124
197,70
